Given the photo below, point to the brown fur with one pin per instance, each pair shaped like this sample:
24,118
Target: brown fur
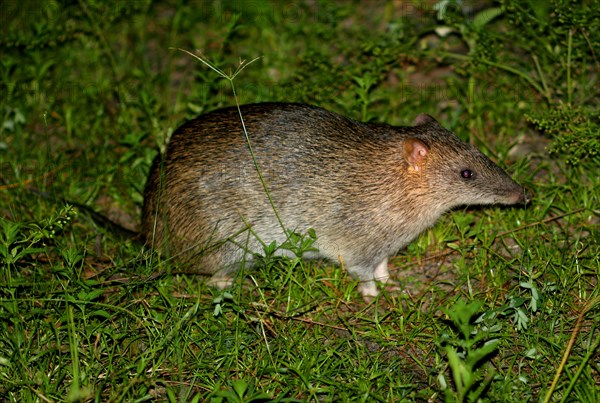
366,189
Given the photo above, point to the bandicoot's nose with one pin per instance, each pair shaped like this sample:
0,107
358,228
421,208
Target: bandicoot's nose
518,195
524,197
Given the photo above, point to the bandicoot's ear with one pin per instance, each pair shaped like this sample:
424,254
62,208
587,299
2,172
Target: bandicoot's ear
415,153
423,119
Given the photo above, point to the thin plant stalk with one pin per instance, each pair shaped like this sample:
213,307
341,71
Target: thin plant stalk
230,78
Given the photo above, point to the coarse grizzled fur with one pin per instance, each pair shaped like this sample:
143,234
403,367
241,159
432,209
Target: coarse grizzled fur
366,189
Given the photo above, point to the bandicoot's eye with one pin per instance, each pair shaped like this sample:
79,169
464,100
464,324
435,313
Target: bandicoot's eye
466,173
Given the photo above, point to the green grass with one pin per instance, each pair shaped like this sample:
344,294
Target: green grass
500,303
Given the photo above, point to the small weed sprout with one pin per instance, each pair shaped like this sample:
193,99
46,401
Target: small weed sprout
468,351
240,391
18,241
225,298
517,306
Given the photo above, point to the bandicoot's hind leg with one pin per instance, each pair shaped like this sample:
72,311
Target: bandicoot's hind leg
225,277
225,263
221,280
368,278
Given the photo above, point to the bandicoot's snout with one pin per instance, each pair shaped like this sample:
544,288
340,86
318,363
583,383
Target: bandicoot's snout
525,198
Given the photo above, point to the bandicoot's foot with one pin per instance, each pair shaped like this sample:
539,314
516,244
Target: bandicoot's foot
369,290
220,282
